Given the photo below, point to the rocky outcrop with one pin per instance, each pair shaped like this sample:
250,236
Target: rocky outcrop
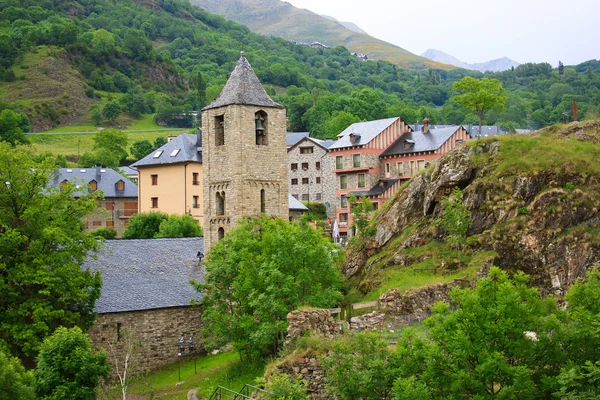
540,218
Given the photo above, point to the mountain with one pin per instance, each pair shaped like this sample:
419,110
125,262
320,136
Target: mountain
500,64
349,25
278,18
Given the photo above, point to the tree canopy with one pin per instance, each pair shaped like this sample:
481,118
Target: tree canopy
15,381
68,368
256,275
480,95
501,339
42,247
155,224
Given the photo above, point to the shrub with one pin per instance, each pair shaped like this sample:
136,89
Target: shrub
68,367
106,233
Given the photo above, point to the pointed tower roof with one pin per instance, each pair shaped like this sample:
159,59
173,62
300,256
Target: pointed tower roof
243,87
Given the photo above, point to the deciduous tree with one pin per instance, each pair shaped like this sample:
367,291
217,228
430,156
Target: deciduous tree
15,382
480,95
144,225
179,226
256,275
10,127
42,247
68,368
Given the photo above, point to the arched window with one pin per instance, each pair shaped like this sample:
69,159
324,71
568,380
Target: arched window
262,201
220,233
220,199
93,185
261,124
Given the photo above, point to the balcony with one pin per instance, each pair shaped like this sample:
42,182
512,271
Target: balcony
351,170
125,214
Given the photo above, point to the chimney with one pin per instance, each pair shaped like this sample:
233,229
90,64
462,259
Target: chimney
425,125
98,176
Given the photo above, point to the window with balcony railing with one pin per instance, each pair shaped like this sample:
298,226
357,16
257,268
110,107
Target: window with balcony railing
195,179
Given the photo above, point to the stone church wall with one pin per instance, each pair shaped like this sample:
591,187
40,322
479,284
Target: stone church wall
156,331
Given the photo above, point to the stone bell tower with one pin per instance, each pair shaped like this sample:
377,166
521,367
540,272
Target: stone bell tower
244,155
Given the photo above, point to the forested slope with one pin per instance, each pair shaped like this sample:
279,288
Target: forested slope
62,62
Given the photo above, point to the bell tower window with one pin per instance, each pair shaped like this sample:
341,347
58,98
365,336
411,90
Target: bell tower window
220,233
219,130
262,201
220,198
261,124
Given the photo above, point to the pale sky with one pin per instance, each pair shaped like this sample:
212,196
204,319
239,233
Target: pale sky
478,30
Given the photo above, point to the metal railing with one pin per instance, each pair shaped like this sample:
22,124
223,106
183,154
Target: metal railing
247,392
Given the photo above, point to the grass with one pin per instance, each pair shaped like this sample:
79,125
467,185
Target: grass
222,369
524,154
145,123
73,144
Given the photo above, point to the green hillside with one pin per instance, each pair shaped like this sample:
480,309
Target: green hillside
65,63
279,18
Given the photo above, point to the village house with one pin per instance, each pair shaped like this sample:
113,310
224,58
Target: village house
120,200
170,178
357,166
311,176
292,138
146,294
415,151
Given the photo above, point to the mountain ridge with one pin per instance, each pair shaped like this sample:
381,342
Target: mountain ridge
496,65
279,18
348,25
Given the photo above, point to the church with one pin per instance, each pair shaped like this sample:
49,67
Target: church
244,155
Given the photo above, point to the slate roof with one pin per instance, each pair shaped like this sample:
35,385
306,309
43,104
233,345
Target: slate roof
365,132
243,87
145,274
486,130
295,205
189,150
325,143
106,179
131,172
294,137
420,141
380,188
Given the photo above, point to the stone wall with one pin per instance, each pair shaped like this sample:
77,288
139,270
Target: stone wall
317,322
309,369
323,186
240,169
112,212
157,332
401,309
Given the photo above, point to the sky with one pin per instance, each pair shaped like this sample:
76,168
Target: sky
478,30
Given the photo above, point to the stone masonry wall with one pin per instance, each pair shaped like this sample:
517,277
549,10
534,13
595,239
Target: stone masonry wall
241,169
317,322
401,309
309,369
157,332
323,192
